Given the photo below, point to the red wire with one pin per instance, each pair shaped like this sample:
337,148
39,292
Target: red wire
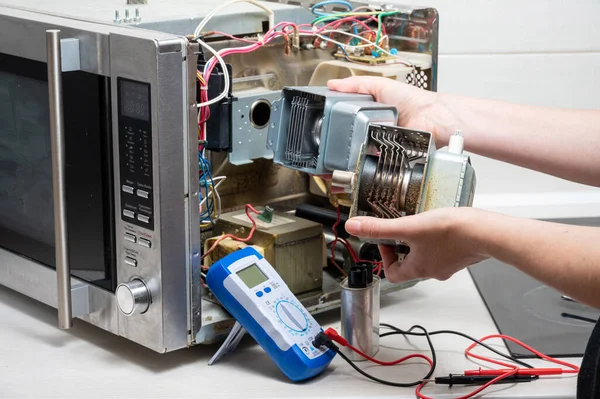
469,395
512,369
393,362
573,368
335,240
333,335
248,238
355,258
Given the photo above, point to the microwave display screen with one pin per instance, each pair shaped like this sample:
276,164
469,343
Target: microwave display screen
135,100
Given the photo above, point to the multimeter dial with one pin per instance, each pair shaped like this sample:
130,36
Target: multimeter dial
258,298
291,316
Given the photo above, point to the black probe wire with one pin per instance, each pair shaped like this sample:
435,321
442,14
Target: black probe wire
329,343
398,331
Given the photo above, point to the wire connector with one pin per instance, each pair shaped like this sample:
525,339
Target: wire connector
323,340
266,215
334,336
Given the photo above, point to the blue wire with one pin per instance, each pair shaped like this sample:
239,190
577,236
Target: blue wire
206,168
210,201
328,2
344,51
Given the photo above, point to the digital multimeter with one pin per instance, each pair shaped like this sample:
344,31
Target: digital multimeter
258,298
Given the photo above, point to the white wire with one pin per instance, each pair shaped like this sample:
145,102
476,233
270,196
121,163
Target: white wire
225,73
221,179
217,196
204,21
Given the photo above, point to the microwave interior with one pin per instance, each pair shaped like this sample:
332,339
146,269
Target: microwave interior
121,110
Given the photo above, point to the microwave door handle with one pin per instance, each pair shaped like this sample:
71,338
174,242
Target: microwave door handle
57,133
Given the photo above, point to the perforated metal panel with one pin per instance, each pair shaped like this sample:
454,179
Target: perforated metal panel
419,78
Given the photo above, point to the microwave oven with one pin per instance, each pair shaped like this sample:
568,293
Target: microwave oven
100,183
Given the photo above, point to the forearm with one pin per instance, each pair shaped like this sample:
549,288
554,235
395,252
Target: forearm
560,142
564,257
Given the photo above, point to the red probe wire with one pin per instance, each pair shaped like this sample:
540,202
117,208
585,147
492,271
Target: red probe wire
334,336
523,371
499,374
511,370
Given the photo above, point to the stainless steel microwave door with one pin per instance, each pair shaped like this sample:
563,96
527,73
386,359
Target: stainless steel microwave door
26,191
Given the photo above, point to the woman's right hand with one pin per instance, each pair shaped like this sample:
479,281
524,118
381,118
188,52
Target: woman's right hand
417,108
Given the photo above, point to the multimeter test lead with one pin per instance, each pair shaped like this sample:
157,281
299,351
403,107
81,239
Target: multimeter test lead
457,379
250,289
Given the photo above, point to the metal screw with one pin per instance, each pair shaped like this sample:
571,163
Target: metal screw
127,18
117,17
137,15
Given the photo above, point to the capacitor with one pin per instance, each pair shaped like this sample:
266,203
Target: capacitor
360,306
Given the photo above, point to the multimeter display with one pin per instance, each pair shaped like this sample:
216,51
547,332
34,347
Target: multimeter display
258,298
252,276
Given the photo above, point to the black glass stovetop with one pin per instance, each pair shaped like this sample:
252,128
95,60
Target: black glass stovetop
533,313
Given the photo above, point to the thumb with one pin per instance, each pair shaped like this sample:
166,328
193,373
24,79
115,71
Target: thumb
368,227
402,272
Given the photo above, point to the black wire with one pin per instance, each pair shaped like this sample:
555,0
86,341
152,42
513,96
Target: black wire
371,377
398,331
576,317
390,383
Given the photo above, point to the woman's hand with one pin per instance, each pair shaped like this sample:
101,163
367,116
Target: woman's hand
441,242
417,108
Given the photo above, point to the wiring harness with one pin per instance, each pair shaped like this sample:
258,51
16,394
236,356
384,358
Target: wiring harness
515,372
352,30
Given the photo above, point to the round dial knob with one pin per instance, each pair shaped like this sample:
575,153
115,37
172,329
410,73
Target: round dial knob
291,316
133,297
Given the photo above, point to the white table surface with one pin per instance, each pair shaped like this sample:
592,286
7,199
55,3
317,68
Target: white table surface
39,360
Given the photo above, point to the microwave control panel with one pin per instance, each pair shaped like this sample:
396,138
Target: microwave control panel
135,153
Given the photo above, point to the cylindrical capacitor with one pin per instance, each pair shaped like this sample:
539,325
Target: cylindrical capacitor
360,304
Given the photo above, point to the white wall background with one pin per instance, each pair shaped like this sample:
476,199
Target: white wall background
540,52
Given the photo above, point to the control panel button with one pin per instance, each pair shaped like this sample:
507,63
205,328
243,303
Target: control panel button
130,237
267,289
133,297
127,189
259,294
128,213
143,218
142,193
129,261
144,243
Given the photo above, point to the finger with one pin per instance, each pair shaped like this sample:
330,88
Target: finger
400,229
388,255
360,84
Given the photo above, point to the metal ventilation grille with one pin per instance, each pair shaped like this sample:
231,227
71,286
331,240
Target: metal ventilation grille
419,78
303,138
